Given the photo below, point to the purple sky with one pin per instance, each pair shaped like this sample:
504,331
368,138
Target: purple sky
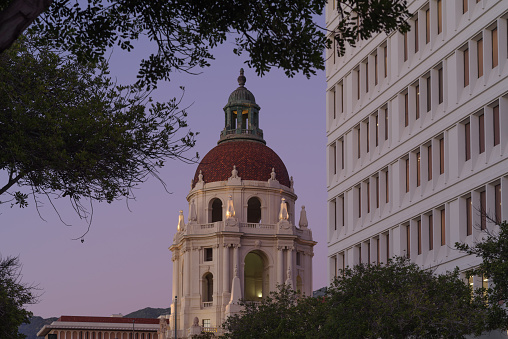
124,263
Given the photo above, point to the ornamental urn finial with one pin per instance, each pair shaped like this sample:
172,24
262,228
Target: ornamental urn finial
241,79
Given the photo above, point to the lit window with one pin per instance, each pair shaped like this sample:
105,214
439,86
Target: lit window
407,175
483,210
439,16
431,233
385,50
386,124
377,130
441,156
358,142
479,45
375,70
405,46
419,229
440,85
429,96
495,113
387,186
377,191
466,67
406,110
481,132
469,217
427,26
359,190
366,76
417,104
418,171
368,196
368,134
408,241
443,228
416,36
429,162
495,60
467,140
497,202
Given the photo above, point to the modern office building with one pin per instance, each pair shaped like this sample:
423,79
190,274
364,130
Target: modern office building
417,128
241,238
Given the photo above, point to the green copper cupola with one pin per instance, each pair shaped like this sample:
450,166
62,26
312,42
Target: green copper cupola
241,115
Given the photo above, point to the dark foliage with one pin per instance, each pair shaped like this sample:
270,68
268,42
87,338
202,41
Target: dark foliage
14,295
493,249
67,130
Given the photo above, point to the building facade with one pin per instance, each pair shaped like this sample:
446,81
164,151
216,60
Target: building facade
240,239
85,327
417,128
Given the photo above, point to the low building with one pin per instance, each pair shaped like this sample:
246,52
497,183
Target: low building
84,327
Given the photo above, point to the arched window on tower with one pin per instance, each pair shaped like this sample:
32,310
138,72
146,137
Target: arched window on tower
207,289
256,278
216,214
253,210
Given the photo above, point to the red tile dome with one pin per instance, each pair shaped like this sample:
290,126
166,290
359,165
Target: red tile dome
253,161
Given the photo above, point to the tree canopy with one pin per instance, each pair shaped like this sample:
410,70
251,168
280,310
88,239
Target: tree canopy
14,295
493,249
183,33
396,300
66,129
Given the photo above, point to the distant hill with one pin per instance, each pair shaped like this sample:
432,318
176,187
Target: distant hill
35,325
148,312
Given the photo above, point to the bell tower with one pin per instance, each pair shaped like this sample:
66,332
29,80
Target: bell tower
242,115
241,238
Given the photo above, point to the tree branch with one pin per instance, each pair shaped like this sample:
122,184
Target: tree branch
17,17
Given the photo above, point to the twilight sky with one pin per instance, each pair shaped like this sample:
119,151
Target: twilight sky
124,263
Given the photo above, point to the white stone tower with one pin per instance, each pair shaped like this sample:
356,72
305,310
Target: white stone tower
240,240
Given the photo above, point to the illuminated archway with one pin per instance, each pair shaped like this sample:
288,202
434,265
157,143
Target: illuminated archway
256,278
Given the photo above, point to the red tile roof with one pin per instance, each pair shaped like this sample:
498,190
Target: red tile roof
114,320
253,161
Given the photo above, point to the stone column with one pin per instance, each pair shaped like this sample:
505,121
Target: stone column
186,274
235,257
225,267
239,118
280,265
290,264
175,274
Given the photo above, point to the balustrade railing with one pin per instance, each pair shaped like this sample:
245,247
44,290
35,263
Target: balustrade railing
209,329
207,304
256,225
243,131
210,225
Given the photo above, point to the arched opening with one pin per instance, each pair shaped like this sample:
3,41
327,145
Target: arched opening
299,285
207,287
254,210
216,210
255,276
245,119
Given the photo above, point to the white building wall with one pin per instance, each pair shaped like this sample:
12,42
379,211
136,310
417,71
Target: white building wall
371,125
